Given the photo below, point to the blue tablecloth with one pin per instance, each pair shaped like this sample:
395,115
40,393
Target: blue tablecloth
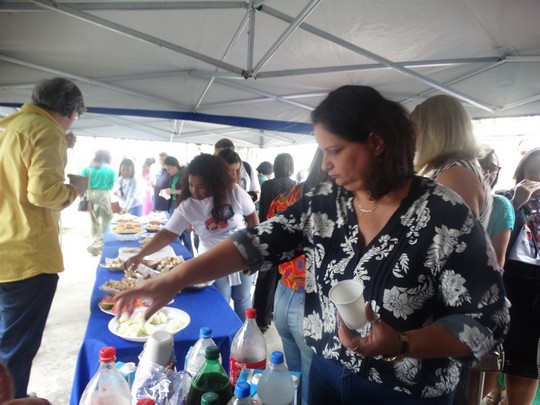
206,307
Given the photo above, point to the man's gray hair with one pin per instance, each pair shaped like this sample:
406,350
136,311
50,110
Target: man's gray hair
58,94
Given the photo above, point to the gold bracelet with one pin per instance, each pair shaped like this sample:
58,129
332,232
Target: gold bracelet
403,349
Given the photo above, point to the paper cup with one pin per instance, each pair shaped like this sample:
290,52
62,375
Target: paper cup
348,297
159,348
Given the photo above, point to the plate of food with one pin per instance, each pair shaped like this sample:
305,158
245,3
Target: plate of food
115,265
152,228
126,228
106,304
166,264
123,218
114,286
198,286
135,329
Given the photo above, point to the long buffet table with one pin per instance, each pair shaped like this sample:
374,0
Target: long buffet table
206,307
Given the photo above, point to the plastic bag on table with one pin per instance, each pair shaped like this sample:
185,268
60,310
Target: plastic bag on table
164,386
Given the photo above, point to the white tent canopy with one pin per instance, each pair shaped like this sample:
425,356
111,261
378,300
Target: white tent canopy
252,71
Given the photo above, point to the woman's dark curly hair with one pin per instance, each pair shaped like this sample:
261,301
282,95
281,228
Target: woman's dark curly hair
215,174
353,113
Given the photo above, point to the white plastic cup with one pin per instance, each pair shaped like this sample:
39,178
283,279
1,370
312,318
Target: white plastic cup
159,348
348,297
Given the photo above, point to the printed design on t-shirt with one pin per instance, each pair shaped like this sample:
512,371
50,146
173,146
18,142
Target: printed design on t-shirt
220,218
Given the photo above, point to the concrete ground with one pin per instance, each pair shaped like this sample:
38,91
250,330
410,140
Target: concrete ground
54,365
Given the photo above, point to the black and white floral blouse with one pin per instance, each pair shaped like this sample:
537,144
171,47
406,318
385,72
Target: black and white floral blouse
431,263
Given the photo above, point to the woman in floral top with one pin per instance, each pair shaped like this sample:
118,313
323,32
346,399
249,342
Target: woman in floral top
435,293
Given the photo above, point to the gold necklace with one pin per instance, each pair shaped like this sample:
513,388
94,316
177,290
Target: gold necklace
364,211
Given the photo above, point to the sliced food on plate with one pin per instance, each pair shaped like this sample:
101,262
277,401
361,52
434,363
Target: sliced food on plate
136,329
126,227
116,264
106,304
166,264
119,285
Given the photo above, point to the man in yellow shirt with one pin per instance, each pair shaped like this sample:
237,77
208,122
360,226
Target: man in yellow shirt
33,158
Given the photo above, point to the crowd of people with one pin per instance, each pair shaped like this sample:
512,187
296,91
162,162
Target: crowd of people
404,203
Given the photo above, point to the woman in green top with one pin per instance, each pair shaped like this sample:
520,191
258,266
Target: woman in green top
177,174
100,184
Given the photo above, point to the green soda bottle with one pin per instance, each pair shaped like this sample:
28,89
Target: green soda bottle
211,377
210,398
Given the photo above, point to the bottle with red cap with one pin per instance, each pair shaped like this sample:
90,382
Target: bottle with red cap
146,401
107,386
248,348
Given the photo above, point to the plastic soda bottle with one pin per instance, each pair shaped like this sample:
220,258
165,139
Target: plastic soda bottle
276,385
242,394
212,377
107,386
196,356
248,348
210,398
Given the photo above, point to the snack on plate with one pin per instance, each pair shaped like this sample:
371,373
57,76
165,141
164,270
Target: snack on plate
106,303
115,263
122,218
153,264
142,272
150,227
156,217
119,285
127,227
166,264
130,250
135,325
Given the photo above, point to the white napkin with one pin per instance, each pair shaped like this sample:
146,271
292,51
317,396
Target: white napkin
164,194
234,279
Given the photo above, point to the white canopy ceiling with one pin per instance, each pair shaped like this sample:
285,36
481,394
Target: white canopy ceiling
197,71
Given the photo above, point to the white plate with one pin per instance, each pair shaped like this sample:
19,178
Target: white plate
171,313
127,236
122,218
114,269
127,252
110,312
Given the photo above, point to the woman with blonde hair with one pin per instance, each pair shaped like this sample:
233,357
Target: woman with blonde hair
446,152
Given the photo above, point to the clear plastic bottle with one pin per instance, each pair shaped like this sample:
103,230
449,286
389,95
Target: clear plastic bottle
107,386
196,356
276,385
242,394
248,348
212,377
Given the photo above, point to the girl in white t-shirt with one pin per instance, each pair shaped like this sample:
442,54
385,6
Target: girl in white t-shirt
215,207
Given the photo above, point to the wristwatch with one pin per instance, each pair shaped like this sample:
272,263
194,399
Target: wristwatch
403,349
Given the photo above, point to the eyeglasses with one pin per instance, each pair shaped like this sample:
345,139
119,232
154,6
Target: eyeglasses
493,168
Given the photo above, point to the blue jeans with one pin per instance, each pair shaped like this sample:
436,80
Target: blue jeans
137,210
289,322
241,294
331,383
25,307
